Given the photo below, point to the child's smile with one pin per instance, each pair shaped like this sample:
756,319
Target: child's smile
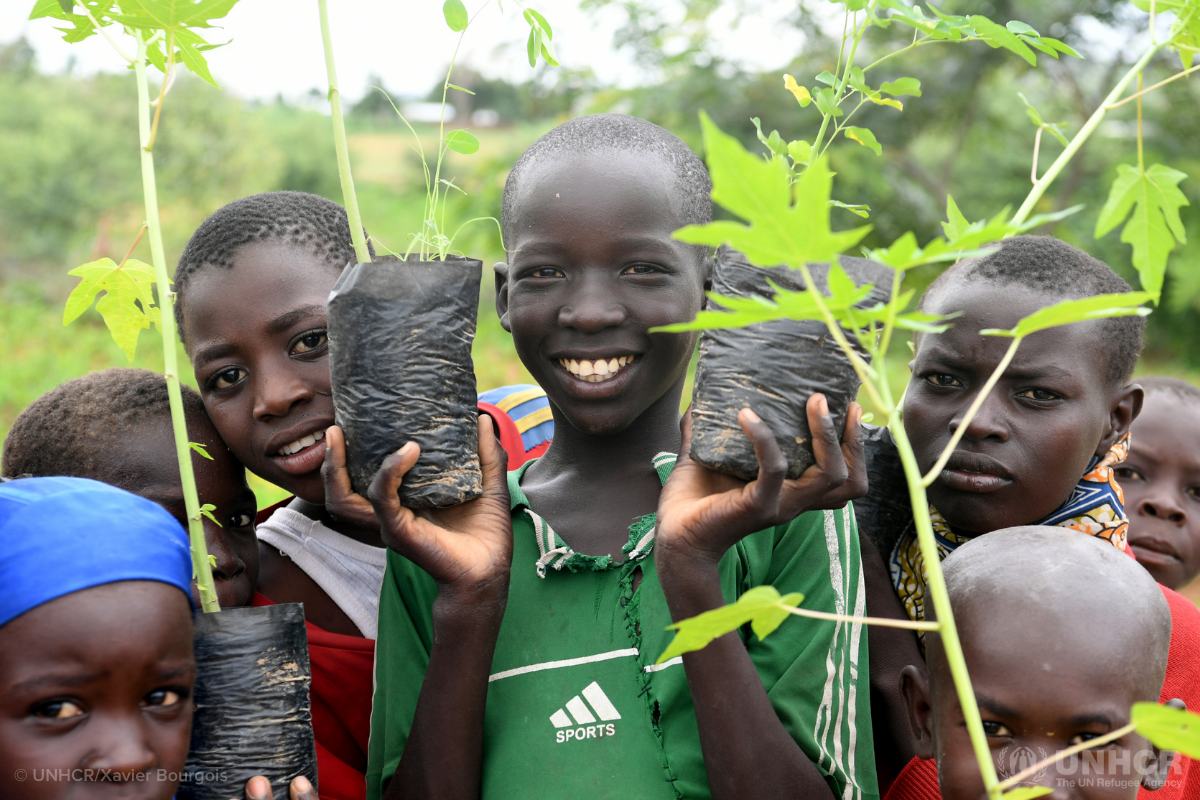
1031,440
594,267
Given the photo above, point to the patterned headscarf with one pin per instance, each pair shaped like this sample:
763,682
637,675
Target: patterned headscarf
1095,506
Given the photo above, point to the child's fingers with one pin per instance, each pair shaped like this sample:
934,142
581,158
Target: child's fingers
302,789
340,498
827,449
853,450
772,465
685,431
493,460
258,788
385,486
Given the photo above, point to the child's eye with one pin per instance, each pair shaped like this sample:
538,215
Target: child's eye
546,272
227,378
942,379
164,698
1080,738
1042,395
1193,492
57,709
1128,474
992,728
309,342
241,521
639,269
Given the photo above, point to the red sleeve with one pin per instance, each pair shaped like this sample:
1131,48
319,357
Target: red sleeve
917,781
1183,682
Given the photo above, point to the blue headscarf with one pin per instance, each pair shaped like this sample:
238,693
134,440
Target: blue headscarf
61,535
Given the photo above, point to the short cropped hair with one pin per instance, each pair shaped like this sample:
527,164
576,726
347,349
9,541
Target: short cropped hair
306,220
622,133
72,429
1161,384
1055,268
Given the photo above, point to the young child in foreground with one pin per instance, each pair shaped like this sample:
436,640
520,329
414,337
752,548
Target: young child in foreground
518,633
1048,672
115,427
252,286
1161,481
1042,447
96,636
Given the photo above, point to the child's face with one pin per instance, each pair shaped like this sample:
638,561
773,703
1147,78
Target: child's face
1041,688
1050,412
256,337
95,695
594,268
149,468
1161,481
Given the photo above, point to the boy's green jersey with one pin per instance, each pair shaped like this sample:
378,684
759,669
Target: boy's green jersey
577,707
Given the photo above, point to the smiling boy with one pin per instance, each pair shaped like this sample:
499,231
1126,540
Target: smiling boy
522,664
1042,446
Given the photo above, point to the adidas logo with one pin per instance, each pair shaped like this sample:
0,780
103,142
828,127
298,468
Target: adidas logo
576,719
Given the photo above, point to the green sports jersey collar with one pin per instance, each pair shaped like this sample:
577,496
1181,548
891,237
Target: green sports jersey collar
556,553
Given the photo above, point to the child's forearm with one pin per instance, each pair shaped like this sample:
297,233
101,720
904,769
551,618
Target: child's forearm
444,754
747,751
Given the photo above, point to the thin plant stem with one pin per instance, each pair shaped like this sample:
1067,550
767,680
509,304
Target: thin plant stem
132,247
120,51
1141,157
1158,85
162,92
166,323
1037,146
936,469
883,622
1061,755
940,597
339,144
841,87
1085,132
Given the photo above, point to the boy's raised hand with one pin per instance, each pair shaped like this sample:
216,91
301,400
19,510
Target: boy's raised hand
465,548
705,512
341,501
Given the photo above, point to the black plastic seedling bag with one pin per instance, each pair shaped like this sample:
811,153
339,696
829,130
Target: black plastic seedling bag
400,335
886,510
772,368
253,714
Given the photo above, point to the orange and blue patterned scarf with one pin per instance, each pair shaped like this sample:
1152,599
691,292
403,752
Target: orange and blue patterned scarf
1096,506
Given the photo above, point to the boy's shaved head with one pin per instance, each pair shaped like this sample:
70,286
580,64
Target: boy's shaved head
1056,269
1065,589
307,221
1161,384
599,132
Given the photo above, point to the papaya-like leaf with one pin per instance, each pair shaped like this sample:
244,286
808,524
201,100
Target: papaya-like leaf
1168,728
1154,226
456,15
761,606
126,300
1101,306
787,225
864,137
956,225
461,141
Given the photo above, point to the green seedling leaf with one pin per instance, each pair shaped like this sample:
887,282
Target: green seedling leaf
1026,792
206,511
774,142
998,36
957,225
199,448
859,210
127,303
1101,306
1154,226
533,17
1038,220
864,137
786,224
800,151
1016,26
761,606
459,88
902,86
456,15
548,54
1055,128
212,561
827,78
1056,45
1168,728
824,99
799,92
461,141
904,254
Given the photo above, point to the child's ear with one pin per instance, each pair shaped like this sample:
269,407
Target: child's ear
1124,407
914,687
501,270
708,266
1158,770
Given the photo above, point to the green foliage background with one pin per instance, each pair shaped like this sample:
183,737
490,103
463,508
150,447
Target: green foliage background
70,186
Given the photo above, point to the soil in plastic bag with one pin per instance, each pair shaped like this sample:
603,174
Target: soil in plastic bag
400,335
772,368
253,714
886,510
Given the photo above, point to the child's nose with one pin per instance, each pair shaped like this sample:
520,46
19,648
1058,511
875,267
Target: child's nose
592,309
1163,506
124,750
276,391
987,423
228,565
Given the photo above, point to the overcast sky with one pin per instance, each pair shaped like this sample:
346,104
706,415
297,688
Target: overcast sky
276,44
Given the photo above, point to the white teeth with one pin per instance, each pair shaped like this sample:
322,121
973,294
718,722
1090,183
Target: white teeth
595,371
300,444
